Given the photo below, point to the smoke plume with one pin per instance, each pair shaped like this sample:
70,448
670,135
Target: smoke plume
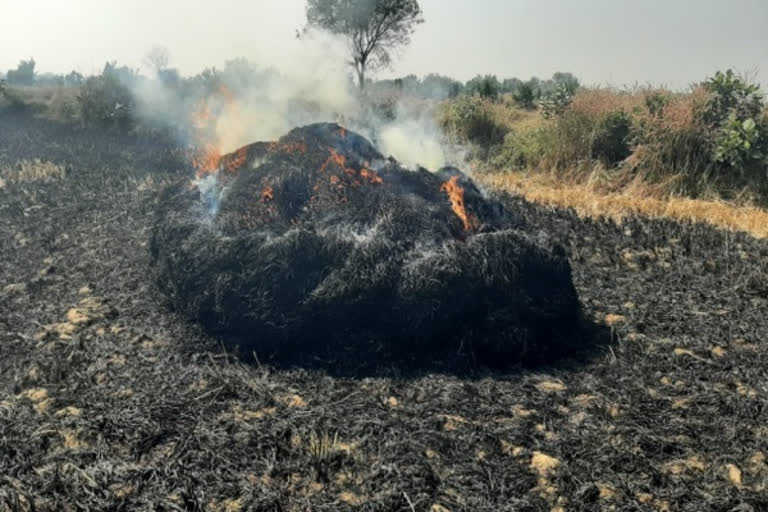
308,83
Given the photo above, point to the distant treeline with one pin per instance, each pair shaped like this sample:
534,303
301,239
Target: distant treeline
435,86
432,86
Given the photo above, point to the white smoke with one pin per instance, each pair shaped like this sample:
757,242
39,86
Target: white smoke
307,83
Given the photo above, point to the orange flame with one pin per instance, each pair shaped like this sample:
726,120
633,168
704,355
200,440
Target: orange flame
203,121
233,162
371,176
207,159
456,195
341,161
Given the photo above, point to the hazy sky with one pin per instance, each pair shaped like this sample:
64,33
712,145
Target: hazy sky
617,42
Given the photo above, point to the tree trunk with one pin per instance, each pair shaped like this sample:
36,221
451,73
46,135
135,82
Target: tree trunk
361,75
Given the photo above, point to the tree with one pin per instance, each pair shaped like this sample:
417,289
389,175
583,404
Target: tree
487,86
510,84
157,59
24,74
374,27
526,94
440,87
565,81
73,79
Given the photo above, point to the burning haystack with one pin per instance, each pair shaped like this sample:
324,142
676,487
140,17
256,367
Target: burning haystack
317,242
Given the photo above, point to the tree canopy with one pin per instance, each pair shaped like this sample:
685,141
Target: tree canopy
374,27
24,74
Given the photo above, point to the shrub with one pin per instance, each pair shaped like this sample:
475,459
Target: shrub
73,79
556,102
440,87
471,119
734,112
526,95
730,96
655,102
11,101
739,143
524,149
487,87
568,140
566,81
611,140
105,101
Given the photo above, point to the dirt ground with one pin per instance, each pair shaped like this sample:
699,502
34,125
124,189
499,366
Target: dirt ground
110,401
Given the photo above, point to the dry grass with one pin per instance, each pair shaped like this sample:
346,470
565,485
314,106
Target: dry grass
669,173
30,171
589,201
57,103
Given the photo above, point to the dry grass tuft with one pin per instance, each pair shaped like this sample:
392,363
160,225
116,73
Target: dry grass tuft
31,171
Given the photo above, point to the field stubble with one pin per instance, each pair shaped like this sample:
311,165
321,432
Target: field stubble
109,400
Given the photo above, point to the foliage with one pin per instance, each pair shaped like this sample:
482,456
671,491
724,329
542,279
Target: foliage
203,83
739,143
73,79
734,111
10,100
565,82
526,94
106,100
556,102
24,74
374,27
510,85
432,86
523,149
611,140
730,96
487,87
470,118
440,87
655,103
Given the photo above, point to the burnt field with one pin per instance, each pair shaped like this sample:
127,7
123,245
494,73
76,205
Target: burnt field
111,401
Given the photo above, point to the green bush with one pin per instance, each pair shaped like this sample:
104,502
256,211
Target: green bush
105,101
730,97
470,118
655,102
526,95
611,139
556,102
523,150
734,113
487,87
739,143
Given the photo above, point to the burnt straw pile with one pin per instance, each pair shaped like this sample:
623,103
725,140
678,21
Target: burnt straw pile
318,245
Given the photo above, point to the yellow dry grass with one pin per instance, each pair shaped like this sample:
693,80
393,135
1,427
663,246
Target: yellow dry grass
588,201
30,171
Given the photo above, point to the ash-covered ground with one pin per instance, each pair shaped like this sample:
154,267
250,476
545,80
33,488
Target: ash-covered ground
109,401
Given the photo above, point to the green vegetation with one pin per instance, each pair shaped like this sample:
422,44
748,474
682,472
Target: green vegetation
487,86
106,101
711,141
